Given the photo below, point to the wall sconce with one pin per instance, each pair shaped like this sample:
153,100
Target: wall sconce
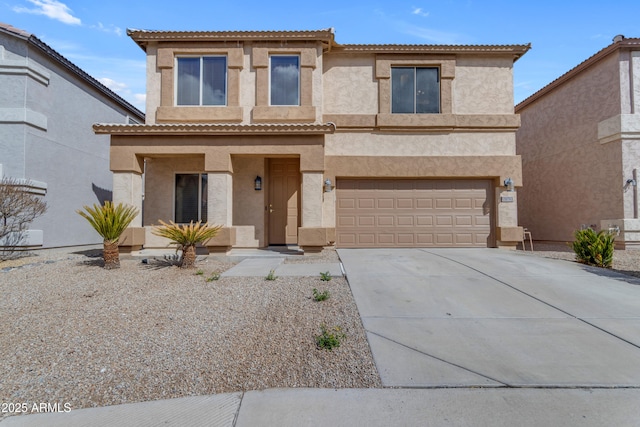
327,186
257,183
632,182
508,183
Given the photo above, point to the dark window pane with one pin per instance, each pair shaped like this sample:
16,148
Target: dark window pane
427,90
214,80
204,197
402,90
188,81
285,80
187,199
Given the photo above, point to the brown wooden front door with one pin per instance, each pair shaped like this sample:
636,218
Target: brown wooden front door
284,201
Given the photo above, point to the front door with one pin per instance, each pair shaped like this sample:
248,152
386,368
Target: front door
284,201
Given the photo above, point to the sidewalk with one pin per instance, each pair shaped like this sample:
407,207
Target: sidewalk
364,407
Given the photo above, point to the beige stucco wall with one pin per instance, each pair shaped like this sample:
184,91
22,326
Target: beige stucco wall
153,85
570,178
349,84
483,86
421,144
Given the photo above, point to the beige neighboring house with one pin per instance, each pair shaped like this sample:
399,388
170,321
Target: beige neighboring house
289,138
580,148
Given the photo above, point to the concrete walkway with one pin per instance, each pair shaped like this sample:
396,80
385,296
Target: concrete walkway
477,337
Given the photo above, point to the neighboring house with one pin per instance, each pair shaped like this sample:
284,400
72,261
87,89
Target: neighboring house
580,148
47,109
289,138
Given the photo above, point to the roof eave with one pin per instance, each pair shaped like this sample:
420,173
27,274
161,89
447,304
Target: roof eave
142,37
214,129
594,59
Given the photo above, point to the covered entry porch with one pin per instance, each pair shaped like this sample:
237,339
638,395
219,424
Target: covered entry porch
263,183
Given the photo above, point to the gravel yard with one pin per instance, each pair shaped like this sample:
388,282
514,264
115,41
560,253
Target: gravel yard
76,333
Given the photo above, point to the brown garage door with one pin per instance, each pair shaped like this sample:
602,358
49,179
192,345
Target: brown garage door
413,213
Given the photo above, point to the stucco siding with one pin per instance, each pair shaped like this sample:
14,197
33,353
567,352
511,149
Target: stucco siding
483,86
436,144
350,86
570,179
47,137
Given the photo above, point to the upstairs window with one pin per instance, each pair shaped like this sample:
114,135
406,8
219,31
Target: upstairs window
284,80
190,198
201,80
415,90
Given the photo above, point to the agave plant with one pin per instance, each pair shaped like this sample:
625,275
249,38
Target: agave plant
186,237
109,221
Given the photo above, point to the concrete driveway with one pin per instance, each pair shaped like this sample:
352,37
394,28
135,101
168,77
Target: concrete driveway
487,317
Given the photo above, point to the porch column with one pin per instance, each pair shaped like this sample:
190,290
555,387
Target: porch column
220,210
220,198
127,189
312,199
312,236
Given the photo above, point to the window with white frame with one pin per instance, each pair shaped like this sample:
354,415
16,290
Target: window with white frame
201,80
415,90
190,197
284,80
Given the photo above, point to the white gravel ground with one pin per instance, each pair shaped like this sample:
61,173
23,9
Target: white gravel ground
76,333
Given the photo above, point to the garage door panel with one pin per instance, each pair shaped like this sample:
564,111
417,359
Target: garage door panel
412,212
385,221
385,203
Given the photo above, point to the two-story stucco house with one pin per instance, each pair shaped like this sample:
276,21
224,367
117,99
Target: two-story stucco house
48,106
289,138
580,148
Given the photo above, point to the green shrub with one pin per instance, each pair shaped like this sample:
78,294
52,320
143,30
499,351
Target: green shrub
594,248
326,276
320,296
271,275
329,339
214,276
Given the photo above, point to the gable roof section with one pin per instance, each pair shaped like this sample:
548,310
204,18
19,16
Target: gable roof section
65,63
142,37
633,43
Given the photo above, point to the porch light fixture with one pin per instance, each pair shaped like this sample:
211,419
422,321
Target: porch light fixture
257,183
327,186
508,183
632,181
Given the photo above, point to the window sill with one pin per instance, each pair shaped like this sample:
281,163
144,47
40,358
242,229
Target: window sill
210,114
268,114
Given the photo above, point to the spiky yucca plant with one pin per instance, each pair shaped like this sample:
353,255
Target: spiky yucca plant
109,221
186,237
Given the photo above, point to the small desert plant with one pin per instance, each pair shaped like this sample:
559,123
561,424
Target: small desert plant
326,276
594,248
320,296
186,237
214,276
109,221
271,275
199,272
329,338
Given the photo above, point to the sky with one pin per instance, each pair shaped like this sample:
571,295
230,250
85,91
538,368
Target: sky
562,33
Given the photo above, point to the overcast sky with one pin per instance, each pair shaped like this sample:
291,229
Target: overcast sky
92,34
